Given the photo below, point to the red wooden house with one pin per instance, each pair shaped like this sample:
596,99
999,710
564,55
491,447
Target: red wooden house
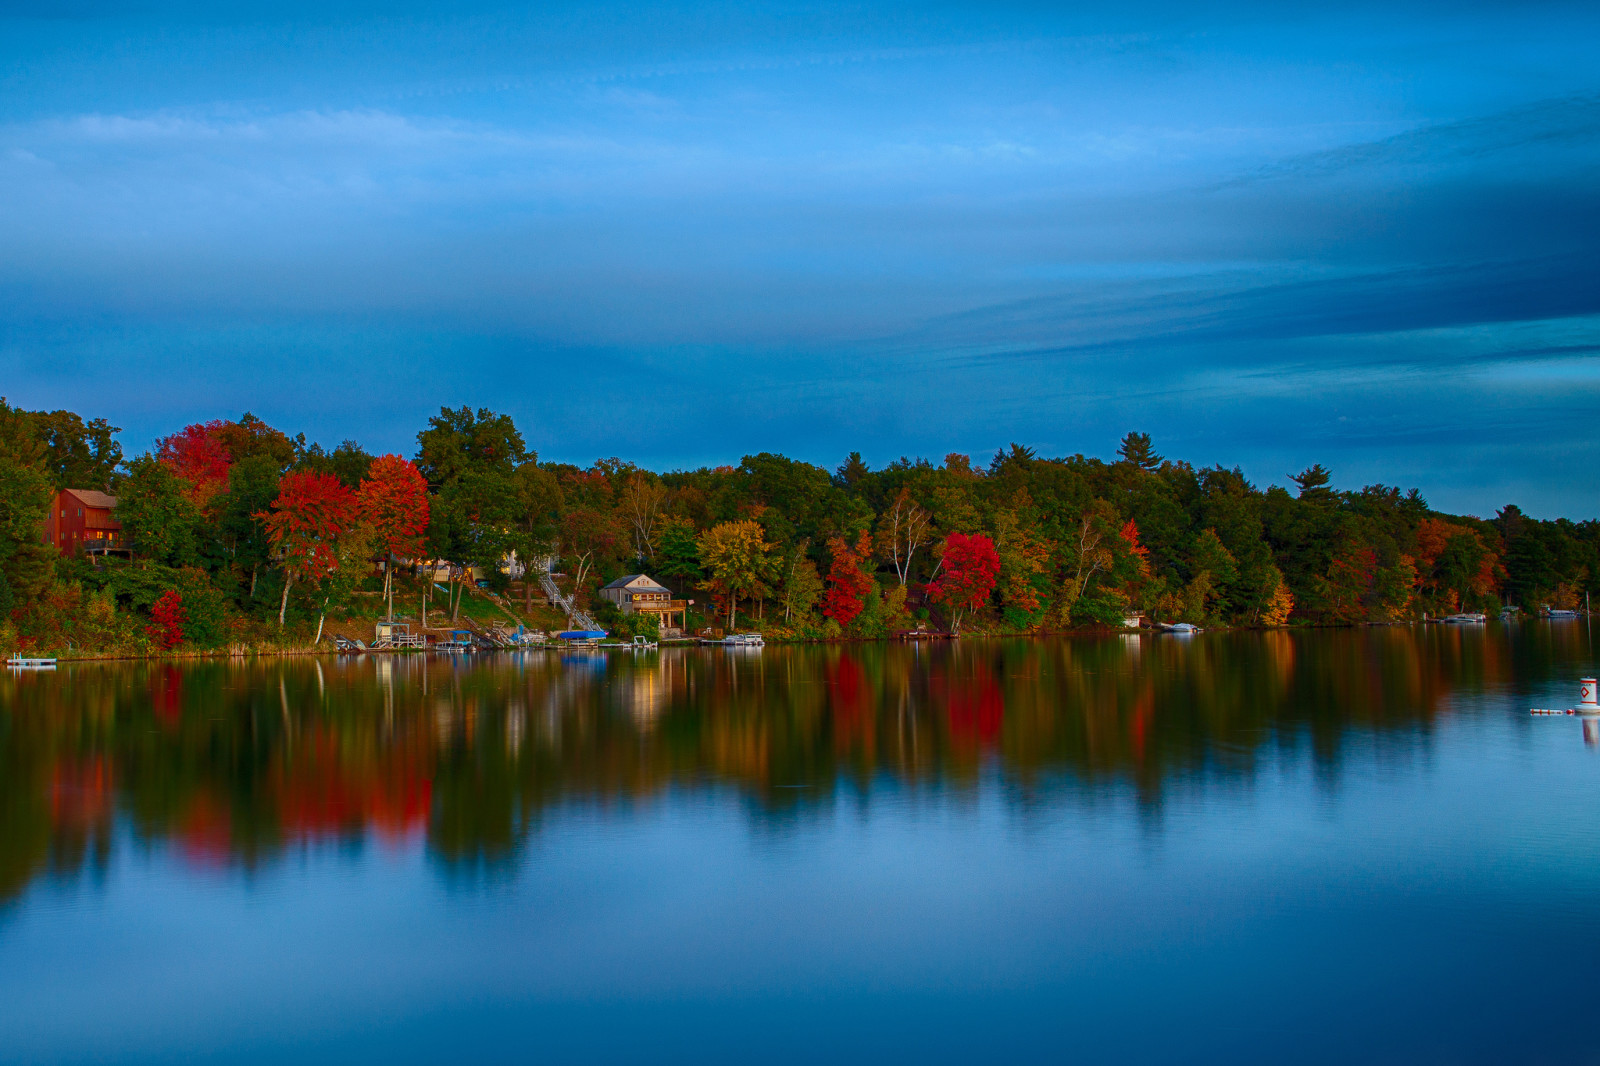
81,520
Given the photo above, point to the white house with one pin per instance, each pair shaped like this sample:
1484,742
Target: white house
642,594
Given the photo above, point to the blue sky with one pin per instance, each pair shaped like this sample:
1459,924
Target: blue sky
1356,234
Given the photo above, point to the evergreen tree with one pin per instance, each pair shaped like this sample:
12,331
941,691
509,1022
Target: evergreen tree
1137,452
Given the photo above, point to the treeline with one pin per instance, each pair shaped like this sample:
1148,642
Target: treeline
243,530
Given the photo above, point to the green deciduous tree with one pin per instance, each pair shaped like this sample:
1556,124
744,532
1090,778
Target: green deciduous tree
78,454
159,519
678,554
26,493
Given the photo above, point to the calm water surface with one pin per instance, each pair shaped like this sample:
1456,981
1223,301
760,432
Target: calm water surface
1312,847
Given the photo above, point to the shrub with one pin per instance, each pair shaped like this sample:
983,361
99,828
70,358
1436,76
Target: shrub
167,619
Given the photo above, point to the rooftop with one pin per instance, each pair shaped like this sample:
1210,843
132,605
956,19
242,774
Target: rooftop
93,498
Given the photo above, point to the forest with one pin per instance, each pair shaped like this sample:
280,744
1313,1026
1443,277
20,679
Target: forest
238,535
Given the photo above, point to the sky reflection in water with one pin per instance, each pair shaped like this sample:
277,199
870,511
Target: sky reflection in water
1311,847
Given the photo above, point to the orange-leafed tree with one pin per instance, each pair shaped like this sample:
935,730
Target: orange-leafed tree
970,567
393,500
1454,564
307,519
1132,562
198,455
848,582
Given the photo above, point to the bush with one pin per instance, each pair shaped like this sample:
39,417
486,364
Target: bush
141,586
167,619
1106,607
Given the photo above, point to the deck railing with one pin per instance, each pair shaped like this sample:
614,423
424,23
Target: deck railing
660,606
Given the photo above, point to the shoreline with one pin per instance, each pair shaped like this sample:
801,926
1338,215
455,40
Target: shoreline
332,652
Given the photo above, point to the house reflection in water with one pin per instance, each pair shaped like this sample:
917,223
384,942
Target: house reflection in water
644,691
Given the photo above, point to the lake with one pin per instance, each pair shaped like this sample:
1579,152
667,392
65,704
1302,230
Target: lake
1318,846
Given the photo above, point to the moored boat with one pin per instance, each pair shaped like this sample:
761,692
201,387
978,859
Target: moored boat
741,640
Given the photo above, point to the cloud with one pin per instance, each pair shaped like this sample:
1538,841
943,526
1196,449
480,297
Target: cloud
1264,232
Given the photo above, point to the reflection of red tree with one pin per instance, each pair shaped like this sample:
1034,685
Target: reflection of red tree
324,793
848,697
205,832
166,695
400,810
1139,724
974,706
80,792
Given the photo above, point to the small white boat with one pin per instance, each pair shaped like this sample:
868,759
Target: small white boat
1559,613
741,640
1180,627
24,662
1465,618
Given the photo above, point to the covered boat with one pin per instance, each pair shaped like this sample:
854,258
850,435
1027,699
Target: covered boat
582,634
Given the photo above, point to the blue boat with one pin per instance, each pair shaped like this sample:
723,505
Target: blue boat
582,634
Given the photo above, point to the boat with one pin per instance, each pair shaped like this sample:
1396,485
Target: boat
25,662
1465,618
1182,628
741,640
581,636
1556,612
460,640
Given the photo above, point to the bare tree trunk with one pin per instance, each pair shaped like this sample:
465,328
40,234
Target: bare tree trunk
253,570
320,618
283,604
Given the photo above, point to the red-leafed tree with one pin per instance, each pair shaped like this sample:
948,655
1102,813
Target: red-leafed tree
968,573
393,500
198,455
848,583
1132,565
167,619
310,514
1130,534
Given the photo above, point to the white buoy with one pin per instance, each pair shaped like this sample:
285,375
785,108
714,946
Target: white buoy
1588,696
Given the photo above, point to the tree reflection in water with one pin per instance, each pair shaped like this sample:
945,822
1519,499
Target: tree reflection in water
233,765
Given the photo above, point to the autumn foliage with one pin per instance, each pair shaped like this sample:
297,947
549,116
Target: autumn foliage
198,455
394,501
740,561
848,583
167,619
310,514
971,566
